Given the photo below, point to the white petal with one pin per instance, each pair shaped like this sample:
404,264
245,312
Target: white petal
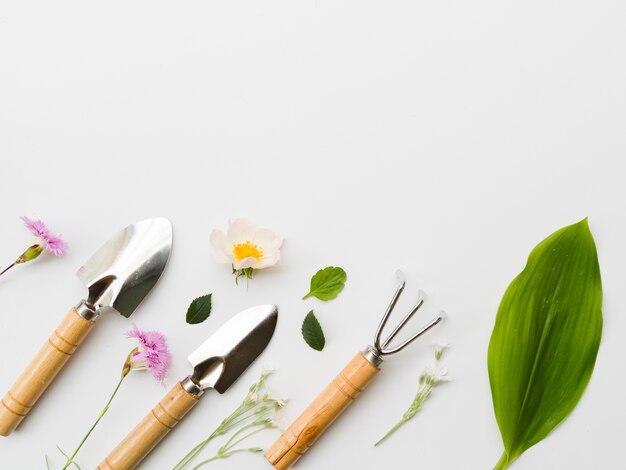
267,240
440,345
267,370
268,261
219,248
245,263
240,231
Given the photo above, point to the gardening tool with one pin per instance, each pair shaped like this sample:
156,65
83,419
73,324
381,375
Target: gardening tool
118,276
307,428
217,363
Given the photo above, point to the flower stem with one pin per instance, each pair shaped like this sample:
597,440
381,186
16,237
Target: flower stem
251,416
217,457
236,417
105,409
227,449
195,451
241,439
234,436
391,431
7,268
418,402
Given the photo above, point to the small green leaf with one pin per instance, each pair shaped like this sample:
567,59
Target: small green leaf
327,283
312,332
546,338
199,310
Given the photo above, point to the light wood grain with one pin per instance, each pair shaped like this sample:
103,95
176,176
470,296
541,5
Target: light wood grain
41,371
149,432
305,430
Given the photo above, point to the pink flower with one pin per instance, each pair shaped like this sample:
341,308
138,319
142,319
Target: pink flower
53,243
152,353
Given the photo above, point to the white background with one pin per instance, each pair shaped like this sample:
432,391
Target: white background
444,138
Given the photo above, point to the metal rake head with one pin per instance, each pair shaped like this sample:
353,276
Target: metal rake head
384,349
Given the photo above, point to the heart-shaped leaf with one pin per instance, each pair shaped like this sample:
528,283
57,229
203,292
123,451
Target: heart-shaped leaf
199,310
546,338
327,283
312,332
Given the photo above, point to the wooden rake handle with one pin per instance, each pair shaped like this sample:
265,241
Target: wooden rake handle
42,370
305,430
149,432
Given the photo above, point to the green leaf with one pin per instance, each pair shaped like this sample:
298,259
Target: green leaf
199,310
327,283
312,332
544,344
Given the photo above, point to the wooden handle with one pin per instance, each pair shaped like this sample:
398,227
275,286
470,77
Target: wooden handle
149,432
42,369
305,430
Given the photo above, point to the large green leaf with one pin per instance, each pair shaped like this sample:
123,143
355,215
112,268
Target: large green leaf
544,345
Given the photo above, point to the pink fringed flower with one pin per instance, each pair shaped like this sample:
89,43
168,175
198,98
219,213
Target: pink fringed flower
44,240
151,354
53,243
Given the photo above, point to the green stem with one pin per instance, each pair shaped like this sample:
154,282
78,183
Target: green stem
503,462
245,437
235,434
198,448
240,421
223,428
217,457
225,451
391,431
106,408
7,268
204,462
192,453
233,420
418,402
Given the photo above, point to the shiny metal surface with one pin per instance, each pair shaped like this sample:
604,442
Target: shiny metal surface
191,387
222,358
374,354
86,311
122,272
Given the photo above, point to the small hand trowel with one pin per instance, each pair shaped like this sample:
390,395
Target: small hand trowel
118,276
217,363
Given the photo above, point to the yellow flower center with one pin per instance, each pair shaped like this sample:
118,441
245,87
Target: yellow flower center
247,250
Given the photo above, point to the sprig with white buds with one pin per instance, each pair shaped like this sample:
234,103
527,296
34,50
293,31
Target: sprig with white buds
255,414
433,375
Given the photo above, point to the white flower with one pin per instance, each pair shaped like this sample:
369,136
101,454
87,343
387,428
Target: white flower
436,374
280,402
267,371
439,346
245,246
